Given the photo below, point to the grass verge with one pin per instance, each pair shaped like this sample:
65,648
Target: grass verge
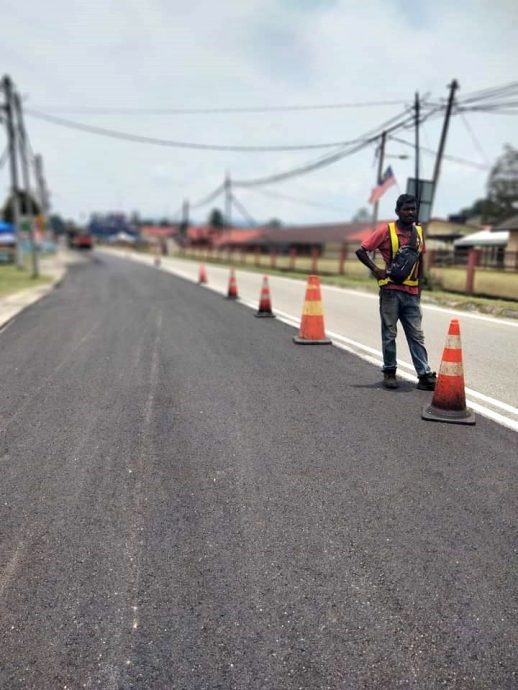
13,279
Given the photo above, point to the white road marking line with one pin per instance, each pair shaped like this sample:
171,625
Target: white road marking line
373,356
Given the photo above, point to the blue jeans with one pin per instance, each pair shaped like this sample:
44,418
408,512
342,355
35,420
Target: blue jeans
398,305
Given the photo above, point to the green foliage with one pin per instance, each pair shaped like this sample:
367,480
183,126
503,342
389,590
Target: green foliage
57,224
502,185
216,219
362,215
501,201
26,204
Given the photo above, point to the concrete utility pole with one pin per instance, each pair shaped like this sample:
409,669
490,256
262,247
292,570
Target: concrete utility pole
228,201
43,196
11,146
381,159
438,160
185,212
22,141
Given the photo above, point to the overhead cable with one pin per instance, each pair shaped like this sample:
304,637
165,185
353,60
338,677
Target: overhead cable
474,139
405,119
454,159
216,111
209,197
246,215
295,200
176,144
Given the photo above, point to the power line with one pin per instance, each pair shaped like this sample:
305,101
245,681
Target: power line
243,210
176,144
454,159
215,111
474,139
401,121
209,197
295,200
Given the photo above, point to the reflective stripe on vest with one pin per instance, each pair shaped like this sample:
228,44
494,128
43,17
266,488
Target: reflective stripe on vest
411,281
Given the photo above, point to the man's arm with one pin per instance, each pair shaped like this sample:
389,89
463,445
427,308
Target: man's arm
362,255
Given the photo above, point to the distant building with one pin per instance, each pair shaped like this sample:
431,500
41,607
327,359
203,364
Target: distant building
105,226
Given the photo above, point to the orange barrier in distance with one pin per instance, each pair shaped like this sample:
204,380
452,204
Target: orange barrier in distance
202,275
265,303
232,286
312,331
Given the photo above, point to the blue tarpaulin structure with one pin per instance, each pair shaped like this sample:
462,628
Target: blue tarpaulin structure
6,227
7,236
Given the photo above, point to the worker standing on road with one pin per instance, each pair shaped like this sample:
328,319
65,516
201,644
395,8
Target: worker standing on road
401,244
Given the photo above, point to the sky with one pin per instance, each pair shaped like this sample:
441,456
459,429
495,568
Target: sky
78,60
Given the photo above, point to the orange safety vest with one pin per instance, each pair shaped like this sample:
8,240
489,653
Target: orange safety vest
412,280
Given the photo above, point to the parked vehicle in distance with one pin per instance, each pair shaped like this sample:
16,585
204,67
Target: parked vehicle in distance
80,240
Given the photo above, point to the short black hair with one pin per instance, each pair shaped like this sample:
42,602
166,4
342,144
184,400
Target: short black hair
405,199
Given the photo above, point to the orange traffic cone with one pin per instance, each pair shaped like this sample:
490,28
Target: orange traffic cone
202,275
232,286
312,324
265,303
449,398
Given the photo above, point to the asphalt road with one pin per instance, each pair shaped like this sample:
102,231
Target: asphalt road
489,344
189,500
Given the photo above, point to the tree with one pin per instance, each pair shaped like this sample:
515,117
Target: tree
501,201
274,223
26,203
502,185
216,219
362,215
57,224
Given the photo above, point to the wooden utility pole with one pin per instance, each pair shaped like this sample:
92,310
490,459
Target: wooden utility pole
24,159
438,160
11,147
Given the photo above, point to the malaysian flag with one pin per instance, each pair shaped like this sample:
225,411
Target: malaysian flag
387,180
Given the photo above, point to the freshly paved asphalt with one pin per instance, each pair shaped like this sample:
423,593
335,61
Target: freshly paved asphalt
189,500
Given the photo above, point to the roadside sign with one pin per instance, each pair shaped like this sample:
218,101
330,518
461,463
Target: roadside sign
424,197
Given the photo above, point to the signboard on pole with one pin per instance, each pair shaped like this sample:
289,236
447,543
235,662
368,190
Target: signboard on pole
424,197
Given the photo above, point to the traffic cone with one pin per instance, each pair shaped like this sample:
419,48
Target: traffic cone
232,286
265,304
449,398
312,323
202,275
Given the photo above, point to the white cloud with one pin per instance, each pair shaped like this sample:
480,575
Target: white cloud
157,54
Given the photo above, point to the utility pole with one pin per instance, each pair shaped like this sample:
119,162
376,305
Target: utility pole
416,174
11,146
185,213
22,141
438,160
228,201
381,159
43,195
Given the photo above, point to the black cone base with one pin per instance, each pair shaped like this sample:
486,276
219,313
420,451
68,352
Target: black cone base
435,414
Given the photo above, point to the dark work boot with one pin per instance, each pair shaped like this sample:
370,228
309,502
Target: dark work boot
427,381
390,380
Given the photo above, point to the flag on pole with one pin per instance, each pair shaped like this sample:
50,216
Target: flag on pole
387,180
